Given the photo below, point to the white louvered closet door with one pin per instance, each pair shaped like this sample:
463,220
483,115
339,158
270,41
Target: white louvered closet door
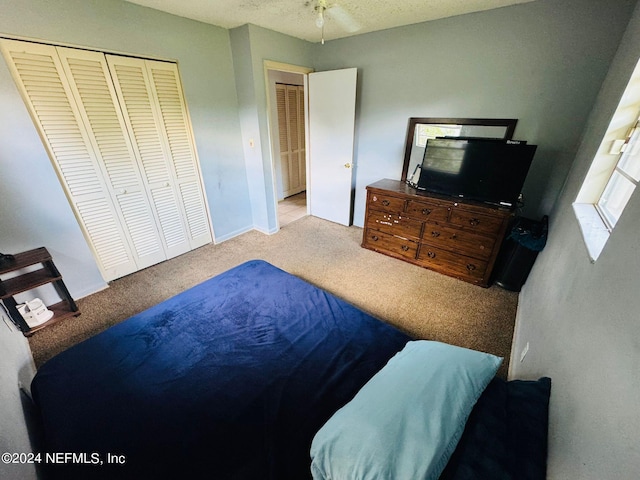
296,96
122,147
283,138
151,96
40,76
290,107
90,82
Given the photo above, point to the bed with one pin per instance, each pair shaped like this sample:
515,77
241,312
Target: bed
250,374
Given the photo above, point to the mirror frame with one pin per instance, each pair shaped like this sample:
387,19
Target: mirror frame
508,123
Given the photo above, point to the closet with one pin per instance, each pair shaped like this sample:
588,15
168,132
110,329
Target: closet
290,107
118,133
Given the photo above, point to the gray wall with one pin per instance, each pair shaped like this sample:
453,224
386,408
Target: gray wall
581,318
34,211
541,62
16,368
251,46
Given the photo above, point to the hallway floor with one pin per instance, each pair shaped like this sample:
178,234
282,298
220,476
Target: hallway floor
292,208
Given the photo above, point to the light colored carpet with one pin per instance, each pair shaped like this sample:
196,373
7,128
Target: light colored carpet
423,303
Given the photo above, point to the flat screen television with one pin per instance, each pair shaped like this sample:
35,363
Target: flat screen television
486,170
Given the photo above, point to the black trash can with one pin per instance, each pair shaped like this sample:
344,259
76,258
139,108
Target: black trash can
519,251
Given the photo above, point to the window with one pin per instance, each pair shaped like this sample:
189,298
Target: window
623,181
425,132
614,172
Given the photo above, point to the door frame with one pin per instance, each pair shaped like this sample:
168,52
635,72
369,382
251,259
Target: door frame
270,65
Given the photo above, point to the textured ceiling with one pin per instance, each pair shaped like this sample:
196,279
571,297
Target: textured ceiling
343,18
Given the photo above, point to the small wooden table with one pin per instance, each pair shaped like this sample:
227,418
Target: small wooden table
47,273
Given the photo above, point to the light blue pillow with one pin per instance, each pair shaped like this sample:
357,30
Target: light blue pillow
406,421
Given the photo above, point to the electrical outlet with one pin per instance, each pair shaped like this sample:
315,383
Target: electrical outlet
524,352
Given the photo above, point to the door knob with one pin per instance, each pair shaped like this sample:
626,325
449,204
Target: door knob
347,165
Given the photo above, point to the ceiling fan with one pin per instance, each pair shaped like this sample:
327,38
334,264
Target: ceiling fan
342,17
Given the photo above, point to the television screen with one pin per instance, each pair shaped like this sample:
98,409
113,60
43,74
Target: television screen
486,170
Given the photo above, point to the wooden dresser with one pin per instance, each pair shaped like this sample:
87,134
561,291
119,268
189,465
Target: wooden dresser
459,238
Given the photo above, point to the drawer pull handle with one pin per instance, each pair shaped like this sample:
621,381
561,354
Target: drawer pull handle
426,211
474,221
454,236
431,254
435,234
374,238
471,267
405,248
386,203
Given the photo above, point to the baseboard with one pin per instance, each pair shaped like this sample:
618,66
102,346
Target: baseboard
229,236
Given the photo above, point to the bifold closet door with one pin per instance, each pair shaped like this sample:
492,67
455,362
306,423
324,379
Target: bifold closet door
134,182
290,108
90,81
150,95
40,76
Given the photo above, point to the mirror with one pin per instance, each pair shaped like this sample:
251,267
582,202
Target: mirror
421,129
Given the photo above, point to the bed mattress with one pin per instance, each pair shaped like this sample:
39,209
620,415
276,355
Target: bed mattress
228,380
232,379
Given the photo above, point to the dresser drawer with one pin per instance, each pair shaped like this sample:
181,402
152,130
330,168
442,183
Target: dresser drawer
455,237
470,269
384,242
476,221
459,241
385,202
429,211
394,224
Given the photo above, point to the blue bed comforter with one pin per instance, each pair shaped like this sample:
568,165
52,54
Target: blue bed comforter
228,380
232,379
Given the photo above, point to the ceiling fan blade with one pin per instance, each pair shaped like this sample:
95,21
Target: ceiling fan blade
344,19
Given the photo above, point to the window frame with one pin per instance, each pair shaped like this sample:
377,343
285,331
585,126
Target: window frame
621,139
629,157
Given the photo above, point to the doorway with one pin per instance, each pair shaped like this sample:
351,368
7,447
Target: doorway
292,208
330,130
291,177
287,107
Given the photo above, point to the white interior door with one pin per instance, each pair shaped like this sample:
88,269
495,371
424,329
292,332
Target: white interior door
332,106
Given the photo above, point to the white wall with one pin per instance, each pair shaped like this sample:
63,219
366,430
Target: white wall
581,319
34,211
16,368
